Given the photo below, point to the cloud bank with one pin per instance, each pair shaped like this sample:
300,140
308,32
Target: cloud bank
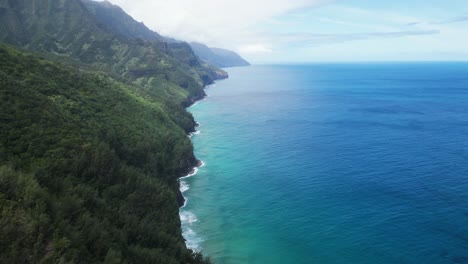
224,23
275,31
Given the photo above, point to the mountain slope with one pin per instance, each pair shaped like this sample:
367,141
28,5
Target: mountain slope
66,27
218,57
88,168
90,155
114,18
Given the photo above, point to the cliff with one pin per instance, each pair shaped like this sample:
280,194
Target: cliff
67,28
92,138
116,20
218,57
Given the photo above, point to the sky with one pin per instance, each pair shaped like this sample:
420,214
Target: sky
303,31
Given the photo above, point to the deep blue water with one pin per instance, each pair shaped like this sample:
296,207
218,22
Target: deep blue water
331,164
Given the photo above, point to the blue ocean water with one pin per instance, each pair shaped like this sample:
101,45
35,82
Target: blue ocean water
332,164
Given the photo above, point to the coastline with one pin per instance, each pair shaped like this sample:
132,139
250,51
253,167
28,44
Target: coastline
187,218
193,169
182,187
221,187
194,163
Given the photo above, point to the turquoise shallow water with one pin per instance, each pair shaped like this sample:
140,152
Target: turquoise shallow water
350,163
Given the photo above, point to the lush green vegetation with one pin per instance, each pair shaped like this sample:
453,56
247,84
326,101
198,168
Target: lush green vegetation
67,27
114,19
92,137
88,167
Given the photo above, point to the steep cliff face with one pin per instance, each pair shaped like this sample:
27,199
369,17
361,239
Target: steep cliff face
218,57
68,28
110,16
114,19
184,53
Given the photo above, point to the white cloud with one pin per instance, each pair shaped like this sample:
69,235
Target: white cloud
254,49
223,23
295,30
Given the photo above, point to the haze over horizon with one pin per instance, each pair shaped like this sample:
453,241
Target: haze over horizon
302,31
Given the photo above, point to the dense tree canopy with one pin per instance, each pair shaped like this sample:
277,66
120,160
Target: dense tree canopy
88,167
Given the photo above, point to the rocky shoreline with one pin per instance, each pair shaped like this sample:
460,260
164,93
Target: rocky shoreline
194,163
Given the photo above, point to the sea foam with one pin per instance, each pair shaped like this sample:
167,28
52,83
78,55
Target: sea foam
197,132
194,171
184,186
187,218
193,240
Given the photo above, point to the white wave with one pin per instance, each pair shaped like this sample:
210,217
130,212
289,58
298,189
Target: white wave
193,241
194,170
194,133
188,217
184,186
202,164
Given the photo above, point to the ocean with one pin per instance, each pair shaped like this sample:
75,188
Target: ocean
361,163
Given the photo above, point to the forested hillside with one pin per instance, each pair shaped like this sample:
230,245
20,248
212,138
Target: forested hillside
93,138
116,20
66,27
88,168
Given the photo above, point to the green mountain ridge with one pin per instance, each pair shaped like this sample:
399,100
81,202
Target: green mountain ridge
67,27
118,21
114,18
221,58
